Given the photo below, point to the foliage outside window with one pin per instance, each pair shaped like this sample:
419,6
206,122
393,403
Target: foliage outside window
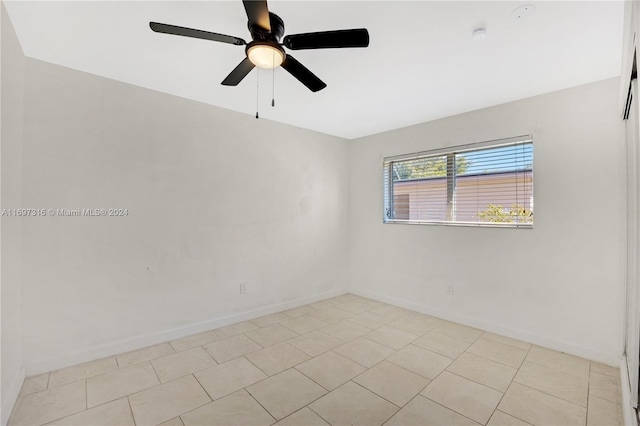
486,184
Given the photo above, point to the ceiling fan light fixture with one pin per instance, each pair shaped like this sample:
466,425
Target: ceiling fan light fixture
265,54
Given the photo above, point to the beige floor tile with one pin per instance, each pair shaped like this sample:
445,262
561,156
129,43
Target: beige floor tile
391,382
442,344
605,387
502,419
233,347
330,370
353,306
422,411
417,324
271,334
166,401
559,361
297,312
116,384
345,330
224,379
504,354
507,341
145,354
180,364
235,329
371,320
277,358
304,417
391,312
52,404
35,384
315,343
458,331
351,404
194,340
176,421
391,337
114,413
303,324
82,371
347,297
484,371
365,352
597,367
269,319
323,304
331,315
370,302
566,386
285,393
420,361
463,396
603,413
538,408
237,409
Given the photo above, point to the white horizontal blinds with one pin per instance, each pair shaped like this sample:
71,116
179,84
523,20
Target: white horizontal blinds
484,183
420,189
495,184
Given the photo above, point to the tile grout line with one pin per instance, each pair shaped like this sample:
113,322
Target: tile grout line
258,402
156,373
317,414
451,409
510,383
131,410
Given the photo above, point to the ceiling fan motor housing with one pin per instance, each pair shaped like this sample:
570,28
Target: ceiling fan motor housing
276,33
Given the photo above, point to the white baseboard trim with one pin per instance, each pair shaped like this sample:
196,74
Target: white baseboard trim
628,413
588,353
141,341
9,399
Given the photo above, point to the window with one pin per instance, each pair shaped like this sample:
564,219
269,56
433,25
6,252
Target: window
484,184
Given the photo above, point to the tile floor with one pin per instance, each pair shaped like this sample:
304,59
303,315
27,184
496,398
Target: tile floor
342,361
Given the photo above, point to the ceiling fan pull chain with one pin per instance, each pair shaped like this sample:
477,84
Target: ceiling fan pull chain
273,81
257,91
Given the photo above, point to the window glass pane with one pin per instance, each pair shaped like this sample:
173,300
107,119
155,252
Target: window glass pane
484,185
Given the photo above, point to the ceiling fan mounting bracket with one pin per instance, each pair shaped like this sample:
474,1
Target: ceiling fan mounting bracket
276,32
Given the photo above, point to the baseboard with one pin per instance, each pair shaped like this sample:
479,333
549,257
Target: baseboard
141,341
9,399
588,353
628,413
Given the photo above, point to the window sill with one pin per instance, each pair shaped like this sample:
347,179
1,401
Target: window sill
465,224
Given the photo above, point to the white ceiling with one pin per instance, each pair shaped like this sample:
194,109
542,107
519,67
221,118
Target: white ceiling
422,63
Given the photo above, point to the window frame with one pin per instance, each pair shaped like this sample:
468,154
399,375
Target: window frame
450,153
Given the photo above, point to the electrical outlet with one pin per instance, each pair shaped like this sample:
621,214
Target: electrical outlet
450,289
243,288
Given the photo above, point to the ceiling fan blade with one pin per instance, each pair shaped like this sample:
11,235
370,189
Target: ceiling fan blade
190,32
303,74
328,39
238,73
258,13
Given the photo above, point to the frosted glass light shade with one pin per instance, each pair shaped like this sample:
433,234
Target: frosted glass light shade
265,56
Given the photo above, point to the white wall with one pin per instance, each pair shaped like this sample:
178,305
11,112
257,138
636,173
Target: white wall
215,198
560,284
12,72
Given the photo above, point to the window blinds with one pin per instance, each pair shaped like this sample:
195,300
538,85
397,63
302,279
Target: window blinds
489,183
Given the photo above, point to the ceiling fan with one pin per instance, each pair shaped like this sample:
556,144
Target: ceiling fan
266,51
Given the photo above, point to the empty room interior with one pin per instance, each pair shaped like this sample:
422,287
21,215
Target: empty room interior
319,213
